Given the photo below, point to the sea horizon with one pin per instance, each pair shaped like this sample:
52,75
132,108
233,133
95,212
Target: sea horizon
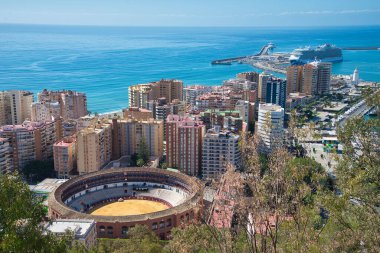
104,61
188,26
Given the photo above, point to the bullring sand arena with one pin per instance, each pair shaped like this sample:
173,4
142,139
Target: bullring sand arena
129,207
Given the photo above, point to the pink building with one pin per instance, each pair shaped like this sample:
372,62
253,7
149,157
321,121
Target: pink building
31,141
184,138
5,156
65,157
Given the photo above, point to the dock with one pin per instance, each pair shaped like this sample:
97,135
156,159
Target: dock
265,50
228,61
361,48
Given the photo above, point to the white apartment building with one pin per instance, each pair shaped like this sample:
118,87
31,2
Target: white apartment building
247,110
270,128
219,147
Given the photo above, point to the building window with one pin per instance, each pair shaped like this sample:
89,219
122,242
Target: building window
162,224
110,230
102,230
124,230
154,226
169,223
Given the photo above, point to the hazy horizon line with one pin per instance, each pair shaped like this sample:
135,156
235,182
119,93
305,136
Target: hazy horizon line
189,26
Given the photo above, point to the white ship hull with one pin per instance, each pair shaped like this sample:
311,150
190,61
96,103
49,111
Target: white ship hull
296,60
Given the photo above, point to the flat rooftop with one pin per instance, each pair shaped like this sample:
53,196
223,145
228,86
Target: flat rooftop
48,185
335,107
80,227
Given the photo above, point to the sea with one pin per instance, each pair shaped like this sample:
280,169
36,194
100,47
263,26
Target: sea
104,61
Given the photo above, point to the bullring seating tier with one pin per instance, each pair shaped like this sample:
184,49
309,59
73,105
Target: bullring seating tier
97,195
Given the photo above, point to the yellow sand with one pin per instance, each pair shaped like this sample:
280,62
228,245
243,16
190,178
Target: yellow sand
129,207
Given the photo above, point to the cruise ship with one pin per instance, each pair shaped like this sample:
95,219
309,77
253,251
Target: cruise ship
324,53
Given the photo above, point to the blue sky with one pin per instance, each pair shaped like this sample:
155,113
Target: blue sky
192,12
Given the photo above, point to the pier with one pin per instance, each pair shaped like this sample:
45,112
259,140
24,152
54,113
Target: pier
265,50
228,61
360,48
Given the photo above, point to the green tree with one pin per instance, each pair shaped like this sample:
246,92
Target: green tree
372,97
284,212
35,171
193,239
143,151
21,217
356,212
140,162
140,239
303,229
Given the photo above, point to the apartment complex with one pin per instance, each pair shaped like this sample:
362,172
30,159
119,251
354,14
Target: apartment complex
94,147
141,94
272,90
250,76
65,157
226,119
184,138
240,85
262,86
247,112
31,141
324,76
137,113
192,92
5,109
294,78
161,109
6,164
214,100
270,126
15,107
309,79
73,105
45,111
128,135
276,92
219,148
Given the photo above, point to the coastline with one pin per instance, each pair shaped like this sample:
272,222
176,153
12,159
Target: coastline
104,70
108,114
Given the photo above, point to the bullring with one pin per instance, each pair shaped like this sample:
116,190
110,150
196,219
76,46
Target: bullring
80,196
